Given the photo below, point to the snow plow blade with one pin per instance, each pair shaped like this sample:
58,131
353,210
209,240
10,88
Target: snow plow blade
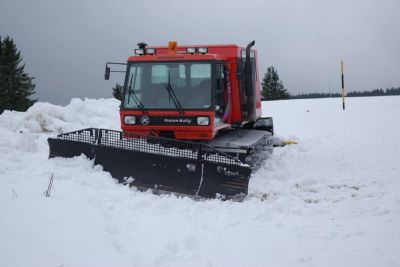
158,163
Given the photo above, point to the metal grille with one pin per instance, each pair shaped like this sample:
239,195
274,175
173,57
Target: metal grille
146,144
89,135
150,144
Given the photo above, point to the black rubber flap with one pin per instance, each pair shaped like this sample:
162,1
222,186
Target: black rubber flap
181,175
69,149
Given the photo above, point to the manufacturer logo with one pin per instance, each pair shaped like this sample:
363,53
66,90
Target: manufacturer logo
144,120
170,57
177,120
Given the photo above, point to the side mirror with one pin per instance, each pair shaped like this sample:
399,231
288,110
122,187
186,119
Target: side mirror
108,70
107,73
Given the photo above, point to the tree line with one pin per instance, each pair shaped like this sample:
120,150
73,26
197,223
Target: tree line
273,89
376,92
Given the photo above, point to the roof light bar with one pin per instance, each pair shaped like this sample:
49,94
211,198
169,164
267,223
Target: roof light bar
139,51
191,50
150,51
202,50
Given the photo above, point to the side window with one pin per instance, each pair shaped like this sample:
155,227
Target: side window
220,90
253,63
220,78
247,96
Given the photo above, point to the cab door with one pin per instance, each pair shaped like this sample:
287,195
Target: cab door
221,94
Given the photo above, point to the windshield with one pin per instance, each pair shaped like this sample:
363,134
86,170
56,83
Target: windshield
154,83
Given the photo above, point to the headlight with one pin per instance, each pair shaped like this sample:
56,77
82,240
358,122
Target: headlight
203,121
130,119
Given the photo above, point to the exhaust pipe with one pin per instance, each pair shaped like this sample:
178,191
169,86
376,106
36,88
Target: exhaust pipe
249,71
249,46
249,86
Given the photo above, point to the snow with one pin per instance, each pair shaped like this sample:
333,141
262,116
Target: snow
331,200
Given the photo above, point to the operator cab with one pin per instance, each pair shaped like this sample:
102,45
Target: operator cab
186,92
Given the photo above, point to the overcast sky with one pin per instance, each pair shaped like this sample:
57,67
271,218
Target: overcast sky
65,44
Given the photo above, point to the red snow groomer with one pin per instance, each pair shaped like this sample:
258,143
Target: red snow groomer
190,118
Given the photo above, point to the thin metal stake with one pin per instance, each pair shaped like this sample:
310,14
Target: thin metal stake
50,187
201,180
341,68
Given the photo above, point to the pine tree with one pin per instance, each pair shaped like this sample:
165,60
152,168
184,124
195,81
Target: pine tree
117,91
272,86
16,86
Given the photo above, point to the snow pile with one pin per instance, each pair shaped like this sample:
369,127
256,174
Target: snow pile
45,117
331,200
20,130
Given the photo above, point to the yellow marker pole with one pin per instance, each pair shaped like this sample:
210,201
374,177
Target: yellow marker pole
341,68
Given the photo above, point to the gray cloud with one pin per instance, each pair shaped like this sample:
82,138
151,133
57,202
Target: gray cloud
65,44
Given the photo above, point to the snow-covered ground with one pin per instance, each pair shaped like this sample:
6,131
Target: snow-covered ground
331,200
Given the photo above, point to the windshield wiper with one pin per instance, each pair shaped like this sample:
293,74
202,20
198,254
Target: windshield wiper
132,94
171,94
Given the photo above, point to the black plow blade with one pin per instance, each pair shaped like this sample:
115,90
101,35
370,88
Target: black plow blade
158,163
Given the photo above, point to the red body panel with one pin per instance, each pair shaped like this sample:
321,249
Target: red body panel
181,131
230,54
